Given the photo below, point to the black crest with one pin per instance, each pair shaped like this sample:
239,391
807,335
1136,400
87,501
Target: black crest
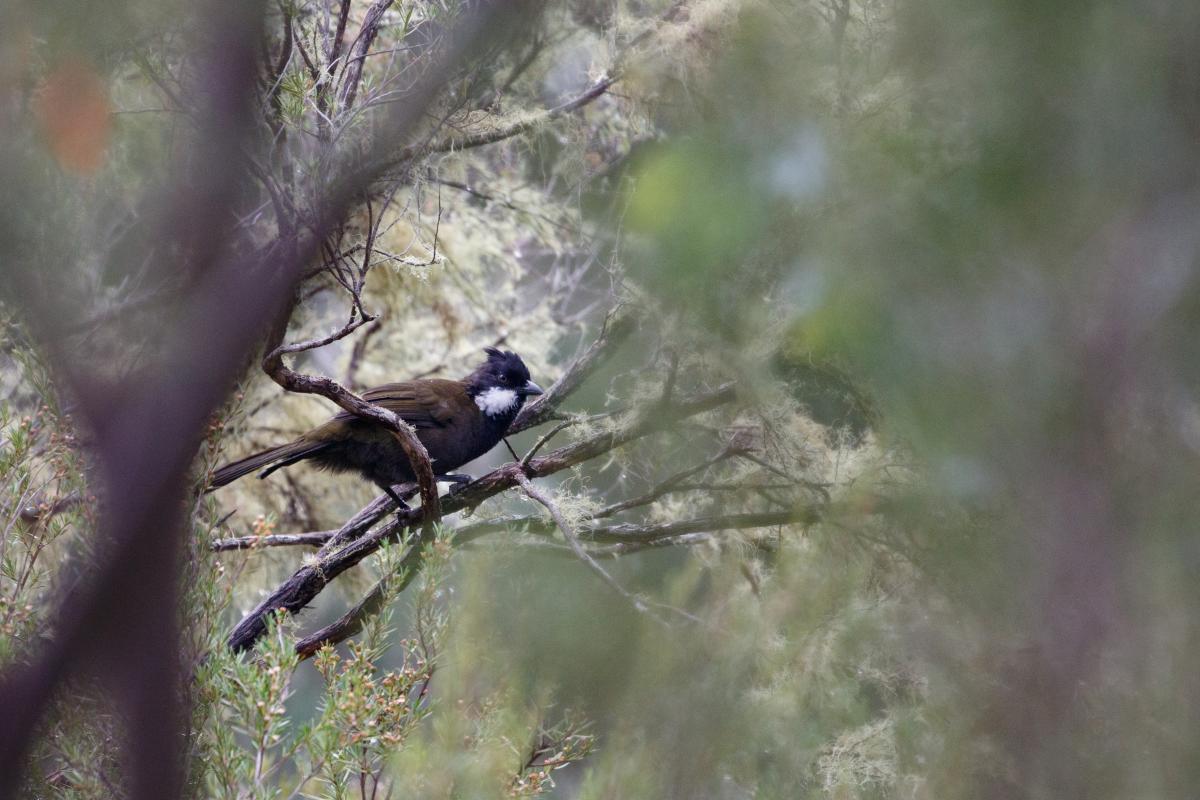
502,368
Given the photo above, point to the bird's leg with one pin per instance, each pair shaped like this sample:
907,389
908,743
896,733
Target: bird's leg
401,506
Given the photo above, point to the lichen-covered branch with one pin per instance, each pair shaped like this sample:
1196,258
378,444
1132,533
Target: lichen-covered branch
313,539
578,549
466,142
634,539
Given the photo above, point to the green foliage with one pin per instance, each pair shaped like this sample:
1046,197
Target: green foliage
372,702
39,467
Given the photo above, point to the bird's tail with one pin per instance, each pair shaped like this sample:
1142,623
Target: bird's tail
272,459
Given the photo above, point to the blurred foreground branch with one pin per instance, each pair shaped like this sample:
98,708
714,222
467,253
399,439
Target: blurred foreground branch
120,624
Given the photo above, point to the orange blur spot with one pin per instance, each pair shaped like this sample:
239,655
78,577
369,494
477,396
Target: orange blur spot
73,110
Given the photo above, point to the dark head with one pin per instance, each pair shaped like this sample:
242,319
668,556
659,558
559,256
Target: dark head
501,384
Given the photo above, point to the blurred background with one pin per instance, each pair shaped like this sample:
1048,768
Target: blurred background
944,253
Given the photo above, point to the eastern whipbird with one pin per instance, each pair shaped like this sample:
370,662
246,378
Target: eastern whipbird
457,421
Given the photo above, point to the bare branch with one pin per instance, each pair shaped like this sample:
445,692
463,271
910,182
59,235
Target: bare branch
546,437
352,621
672,374
611,551
308,62
487,197
360,349
335,44
352,74
350,327
633,533
363,521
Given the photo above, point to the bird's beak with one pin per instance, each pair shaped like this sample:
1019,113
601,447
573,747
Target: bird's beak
532,388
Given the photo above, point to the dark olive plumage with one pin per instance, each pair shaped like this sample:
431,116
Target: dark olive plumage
457,421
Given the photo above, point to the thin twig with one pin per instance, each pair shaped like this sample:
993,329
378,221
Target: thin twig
565,528
360,349
617,327
546,437
667,485
350,327
630,534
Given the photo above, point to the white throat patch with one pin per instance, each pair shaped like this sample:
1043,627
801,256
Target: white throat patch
496,401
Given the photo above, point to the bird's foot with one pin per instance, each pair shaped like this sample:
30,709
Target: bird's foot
458,479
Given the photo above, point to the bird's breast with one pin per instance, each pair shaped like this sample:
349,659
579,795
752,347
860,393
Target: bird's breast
464,439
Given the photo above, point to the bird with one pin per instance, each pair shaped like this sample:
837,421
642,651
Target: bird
457,421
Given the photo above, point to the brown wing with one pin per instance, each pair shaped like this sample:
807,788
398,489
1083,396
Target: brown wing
428,403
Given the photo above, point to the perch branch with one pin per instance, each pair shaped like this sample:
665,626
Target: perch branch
350,327
545,438
611,551
352,621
